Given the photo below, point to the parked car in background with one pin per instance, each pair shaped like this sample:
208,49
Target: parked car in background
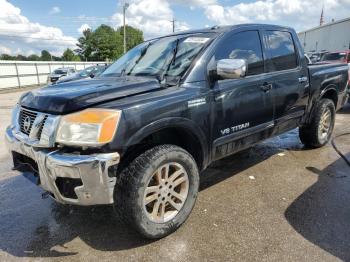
342,57
309,61
139,135
60,72
89,72
316,56
336,57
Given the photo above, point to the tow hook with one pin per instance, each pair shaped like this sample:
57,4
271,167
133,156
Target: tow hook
45,195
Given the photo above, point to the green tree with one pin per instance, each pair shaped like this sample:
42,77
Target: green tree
105,43
68,55
7,57
33,57
20,57
84,49
45,56
134,36
56,58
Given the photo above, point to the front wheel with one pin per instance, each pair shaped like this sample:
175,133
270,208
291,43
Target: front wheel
155,194
318,132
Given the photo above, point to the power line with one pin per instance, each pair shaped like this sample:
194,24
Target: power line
37,38
48,39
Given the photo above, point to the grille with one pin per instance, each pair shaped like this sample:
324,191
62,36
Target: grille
41,128
23,116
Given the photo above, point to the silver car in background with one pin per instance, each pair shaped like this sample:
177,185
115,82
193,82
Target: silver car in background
60,72
89,72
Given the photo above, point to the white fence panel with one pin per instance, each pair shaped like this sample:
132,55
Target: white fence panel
7,82
28,80
8,70
26,69
42,79
16,74
43,69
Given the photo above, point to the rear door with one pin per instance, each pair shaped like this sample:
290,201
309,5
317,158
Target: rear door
288,75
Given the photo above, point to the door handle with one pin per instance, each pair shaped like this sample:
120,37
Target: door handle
302,79
266,87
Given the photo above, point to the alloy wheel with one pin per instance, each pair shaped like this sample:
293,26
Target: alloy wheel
166,192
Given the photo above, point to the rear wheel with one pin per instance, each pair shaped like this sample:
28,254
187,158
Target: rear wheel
318,132
156,193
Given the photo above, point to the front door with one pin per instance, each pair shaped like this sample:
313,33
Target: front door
243,108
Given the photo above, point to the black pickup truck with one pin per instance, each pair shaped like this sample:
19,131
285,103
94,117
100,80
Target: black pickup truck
138,136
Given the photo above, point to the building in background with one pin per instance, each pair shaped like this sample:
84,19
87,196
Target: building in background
334,36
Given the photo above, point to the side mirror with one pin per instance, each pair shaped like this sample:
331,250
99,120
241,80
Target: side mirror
92,75
231,68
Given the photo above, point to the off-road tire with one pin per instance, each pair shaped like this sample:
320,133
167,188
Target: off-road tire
132,182
309,133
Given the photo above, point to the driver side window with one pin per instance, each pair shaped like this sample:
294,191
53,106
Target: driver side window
243,45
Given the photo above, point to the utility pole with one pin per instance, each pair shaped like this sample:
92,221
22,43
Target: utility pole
126,5
173,22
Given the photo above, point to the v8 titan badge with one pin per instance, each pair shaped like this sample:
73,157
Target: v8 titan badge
234,129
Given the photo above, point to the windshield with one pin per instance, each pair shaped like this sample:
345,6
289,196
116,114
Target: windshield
87,71
60,72
94,70
165,57
333,57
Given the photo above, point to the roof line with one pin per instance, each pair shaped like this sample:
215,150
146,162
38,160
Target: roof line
325,25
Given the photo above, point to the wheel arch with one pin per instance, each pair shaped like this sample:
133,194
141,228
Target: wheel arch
177,131
331,93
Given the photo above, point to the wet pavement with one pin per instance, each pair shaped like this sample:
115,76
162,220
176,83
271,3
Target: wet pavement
274,202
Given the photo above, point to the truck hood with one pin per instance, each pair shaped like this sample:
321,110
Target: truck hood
73,96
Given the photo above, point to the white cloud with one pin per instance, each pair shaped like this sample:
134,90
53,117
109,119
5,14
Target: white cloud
194,3
55,10
24,35
153,17
83,27
299,14
5,50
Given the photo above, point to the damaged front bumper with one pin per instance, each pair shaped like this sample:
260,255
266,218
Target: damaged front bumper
70,178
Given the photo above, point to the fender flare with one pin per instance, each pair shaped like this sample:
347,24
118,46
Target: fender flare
172,122
318,98
328,88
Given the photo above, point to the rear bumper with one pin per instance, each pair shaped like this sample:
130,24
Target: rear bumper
92,171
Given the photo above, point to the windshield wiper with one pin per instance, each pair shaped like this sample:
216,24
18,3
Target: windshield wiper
172,62
143,53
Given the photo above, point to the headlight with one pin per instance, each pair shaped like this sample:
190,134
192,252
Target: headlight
90,127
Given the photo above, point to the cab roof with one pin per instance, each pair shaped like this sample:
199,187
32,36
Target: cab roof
228,28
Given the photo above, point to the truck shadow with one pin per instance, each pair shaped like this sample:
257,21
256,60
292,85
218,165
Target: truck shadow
321,214
229,166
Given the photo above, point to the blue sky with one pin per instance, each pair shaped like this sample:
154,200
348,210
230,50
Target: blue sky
67,18
29,26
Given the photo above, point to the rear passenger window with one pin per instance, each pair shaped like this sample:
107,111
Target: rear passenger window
281,50
244,45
